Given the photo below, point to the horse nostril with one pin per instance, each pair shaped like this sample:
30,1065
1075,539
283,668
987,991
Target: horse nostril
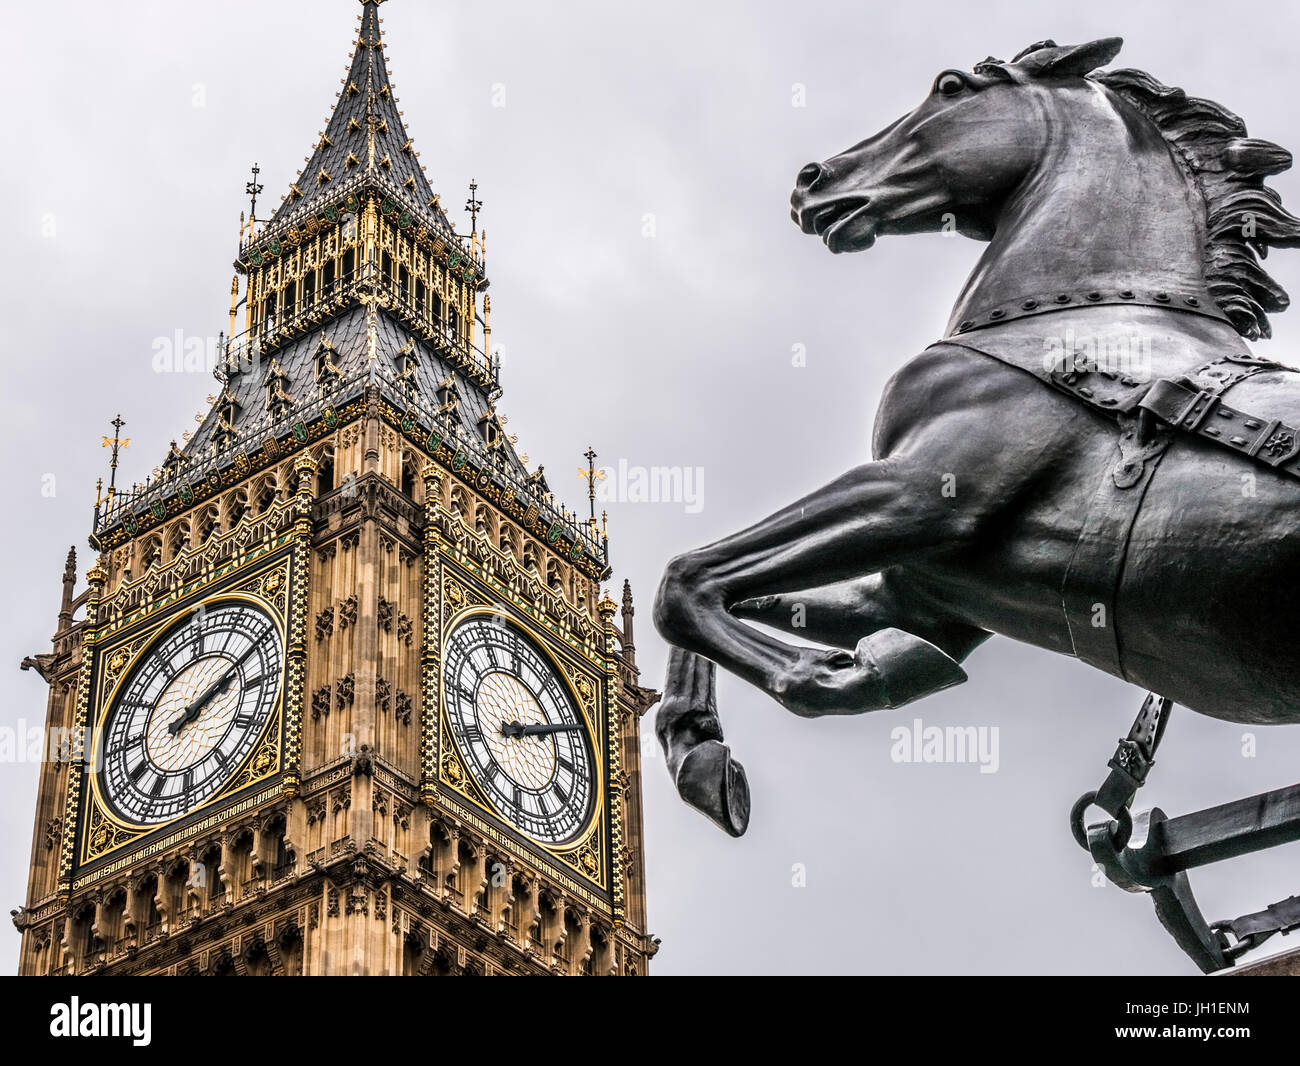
809,175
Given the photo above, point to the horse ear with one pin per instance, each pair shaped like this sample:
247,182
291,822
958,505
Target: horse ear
1062,61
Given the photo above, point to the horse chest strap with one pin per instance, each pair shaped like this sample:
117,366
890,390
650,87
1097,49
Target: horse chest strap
1092,578
1201,413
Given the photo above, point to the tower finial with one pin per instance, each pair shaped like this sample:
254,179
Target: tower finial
69,587
629,641
591,474
116,443
473,205
251,189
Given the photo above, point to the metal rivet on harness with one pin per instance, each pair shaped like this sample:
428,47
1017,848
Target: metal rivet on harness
1029,305
1191,301
1062,297
1094,296
996,313
1127,294
1163,297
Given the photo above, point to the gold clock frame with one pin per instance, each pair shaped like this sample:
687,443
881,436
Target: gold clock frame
588,855
263,584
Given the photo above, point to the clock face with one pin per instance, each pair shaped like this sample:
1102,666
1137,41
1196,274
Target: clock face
190,711
518,729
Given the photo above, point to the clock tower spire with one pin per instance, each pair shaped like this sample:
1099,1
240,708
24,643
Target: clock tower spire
343,694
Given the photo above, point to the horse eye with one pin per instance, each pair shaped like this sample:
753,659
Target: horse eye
949,83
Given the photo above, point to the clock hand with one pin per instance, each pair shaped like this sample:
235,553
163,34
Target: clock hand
192,711
515,729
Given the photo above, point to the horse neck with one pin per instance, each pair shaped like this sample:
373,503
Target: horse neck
1106,210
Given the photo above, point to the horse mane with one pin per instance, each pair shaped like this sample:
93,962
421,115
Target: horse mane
1244,217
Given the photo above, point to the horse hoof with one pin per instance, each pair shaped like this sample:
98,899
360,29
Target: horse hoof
907,666
714,783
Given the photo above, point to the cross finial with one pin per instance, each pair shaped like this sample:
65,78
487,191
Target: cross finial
591,472
473,205
251,189
116,443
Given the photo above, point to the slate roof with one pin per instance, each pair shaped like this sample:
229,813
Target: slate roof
365,133
347,335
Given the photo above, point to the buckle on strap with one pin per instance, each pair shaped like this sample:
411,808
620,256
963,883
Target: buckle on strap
1178,404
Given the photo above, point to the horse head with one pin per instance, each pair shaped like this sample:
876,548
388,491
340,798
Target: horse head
1147,187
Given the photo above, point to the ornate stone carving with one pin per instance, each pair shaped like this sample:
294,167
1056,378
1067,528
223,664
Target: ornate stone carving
320,703
347,614
345,690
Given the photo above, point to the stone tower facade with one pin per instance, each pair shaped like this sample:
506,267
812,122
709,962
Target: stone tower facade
344,694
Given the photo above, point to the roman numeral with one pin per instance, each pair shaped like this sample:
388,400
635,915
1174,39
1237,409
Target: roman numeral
243,720
562,792
473,734
137,771
254,681
187,782
157,787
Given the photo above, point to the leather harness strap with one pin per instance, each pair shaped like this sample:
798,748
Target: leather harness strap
1149,416
1202,413
1090,588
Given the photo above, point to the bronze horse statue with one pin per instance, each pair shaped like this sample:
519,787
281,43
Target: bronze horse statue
1057,468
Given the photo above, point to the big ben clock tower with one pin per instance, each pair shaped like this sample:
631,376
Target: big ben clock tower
344,693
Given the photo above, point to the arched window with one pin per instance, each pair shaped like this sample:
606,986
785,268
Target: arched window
325,473
215,888
265,497
412,950
148,891
83,938
283,860
178,539
150,552
204,524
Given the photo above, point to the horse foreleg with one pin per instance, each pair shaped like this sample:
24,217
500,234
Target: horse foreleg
874,517
842,614
687,724
690,732
879,515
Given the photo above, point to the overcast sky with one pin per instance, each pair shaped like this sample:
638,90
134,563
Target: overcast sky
131,128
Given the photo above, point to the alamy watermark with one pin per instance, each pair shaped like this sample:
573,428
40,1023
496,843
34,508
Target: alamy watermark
626,483
946,744
1126,355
